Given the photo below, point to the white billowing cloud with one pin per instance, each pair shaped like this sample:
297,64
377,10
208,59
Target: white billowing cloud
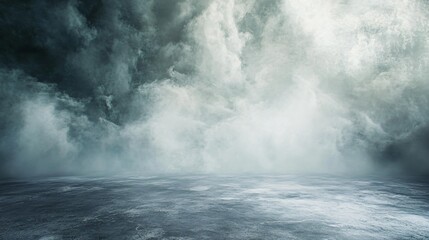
310,96
43,144
226,121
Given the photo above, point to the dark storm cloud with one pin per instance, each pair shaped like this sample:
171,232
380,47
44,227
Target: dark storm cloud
217,86
90,49
409,154
93,52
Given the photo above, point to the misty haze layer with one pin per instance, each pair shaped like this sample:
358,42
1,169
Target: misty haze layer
220,86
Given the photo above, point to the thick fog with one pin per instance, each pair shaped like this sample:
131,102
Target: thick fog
222,86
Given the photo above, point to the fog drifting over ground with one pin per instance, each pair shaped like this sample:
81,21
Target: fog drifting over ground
222,86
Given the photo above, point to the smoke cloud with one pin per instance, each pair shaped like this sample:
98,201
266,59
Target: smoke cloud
191,86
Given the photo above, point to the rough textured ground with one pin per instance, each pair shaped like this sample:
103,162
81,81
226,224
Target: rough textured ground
208,207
